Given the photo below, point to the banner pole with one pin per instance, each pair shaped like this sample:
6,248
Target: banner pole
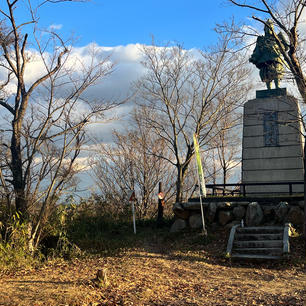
202,210
201,180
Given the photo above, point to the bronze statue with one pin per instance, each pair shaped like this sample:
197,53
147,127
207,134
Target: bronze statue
267,56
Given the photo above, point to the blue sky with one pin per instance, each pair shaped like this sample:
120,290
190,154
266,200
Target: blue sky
113,23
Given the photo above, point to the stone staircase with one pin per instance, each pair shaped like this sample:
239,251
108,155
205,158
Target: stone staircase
262,242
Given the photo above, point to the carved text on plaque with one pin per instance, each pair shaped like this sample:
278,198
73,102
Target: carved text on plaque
270,129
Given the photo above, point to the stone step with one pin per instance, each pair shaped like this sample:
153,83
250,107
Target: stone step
261,229
252,256
259,251
269,242
258,236
258,244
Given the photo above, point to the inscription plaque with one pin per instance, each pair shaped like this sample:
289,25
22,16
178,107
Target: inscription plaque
271,129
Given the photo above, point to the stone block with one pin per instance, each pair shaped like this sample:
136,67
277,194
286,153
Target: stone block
259,106
178,225
182,214
254,214
195,221
258,130
276,163
239,212
295,216
258,141
281,211
194,205
211,212
268,93
269,212
287,120
272,152
224,217
277,175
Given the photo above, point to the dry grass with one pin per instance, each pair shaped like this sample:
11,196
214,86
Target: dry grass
162,269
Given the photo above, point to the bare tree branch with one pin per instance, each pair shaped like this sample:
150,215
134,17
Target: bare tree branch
249,6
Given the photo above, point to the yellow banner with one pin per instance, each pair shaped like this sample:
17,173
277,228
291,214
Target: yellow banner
199,165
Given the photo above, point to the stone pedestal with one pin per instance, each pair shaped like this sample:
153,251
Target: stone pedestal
272,147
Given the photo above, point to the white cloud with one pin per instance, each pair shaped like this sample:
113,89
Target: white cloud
115,87
54,27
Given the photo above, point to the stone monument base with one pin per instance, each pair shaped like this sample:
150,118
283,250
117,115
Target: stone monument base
272,147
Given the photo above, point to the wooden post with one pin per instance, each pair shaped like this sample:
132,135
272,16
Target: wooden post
160,211
132,199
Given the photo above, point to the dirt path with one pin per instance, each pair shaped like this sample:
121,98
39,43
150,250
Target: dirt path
142,277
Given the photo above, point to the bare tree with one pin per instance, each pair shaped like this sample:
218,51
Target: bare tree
182,96
132,163
226,144
46,115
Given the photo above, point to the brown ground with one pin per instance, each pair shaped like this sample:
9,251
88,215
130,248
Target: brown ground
158,272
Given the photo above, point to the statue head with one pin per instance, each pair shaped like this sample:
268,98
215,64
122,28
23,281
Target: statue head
269,27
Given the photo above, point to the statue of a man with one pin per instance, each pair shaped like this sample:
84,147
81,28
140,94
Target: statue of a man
267,56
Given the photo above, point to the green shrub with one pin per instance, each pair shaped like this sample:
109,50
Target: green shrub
55,241
14,250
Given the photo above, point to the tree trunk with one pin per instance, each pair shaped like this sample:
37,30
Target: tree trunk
224,176
179,184
17,171
224,180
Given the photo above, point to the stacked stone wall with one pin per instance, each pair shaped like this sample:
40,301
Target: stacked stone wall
227,214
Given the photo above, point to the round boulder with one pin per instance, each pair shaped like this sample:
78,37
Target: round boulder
254,215
195,221
180,211
268,210
224,217
239,212
281,211
211,212
178,225
295,216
